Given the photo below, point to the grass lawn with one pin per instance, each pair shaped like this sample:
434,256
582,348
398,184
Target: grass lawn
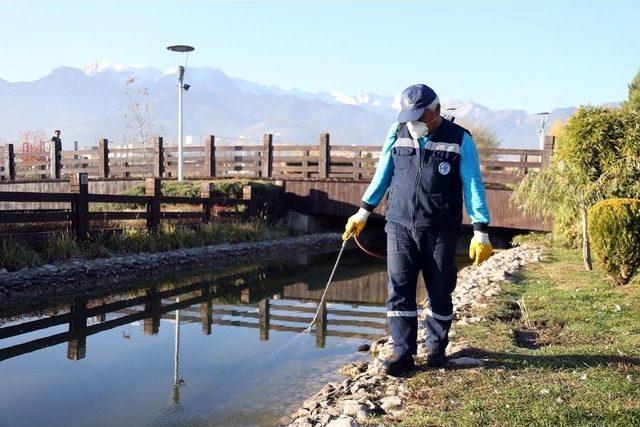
570,355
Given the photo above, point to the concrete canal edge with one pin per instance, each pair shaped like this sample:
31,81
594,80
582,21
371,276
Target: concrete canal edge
84,277
366,393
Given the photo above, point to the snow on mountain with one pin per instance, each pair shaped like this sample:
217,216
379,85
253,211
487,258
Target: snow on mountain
100,66
90,102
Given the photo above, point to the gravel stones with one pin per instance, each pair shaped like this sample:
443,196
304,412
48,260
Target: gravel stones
352,370
364,347
343,422
390,402
352,407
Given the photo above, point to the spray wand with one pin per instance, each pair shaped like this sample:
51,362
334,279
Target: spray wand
326,288
333,271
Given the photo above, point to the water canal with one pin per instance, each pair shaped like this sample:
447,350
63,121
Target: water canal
213,348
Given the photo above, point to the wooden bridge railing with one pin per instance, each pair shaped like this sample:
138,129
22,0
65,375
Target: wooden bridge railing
243,159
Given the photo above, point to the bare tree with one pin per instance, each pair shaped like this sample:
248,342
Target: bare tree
139,126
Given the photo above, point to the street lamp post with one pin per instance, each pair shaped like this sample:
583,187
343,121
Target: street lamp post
543,121
184,50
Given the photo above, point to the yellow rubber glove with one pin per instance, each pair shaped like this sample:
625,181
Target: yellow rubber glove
480,248
355,224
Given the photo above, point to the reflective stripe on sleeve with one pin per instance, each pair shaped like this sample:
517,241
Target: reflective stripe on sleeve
438,316
413,313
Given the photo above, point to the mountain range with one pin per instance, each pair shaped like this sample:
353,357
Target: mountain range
98,101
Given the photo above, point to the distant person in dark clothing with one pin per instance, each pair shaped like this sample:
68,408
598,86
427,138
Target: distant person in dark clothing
56,137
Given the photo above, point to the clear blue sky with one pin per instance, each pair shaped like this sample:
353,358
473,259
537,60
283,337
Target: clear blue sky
533,55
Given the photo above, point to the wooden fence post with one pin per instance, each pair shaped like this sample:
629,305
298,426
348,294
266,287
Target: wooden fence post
245,295
263,319
79,186
210,156
77,345
321,326
206,314
247,194
267,155
102,316
151,308
306,173
158,157
206,192
10,165
153,191
547,152
103,158
324,156
357,175
55,159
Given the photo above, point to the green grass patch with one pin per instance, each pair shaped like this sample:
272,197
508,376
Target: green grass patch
570,357
15,254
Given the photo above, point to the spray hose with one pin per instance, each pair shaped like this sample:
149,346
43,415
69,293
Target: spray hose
367,251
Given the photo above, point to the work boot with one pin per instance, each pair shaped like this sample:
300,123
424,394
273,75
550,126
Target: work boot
436,359
398,365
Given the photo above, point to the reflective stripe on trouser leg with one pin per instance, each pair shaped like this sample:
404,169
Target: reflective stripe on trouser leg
403,265
404,331
440,275
437,331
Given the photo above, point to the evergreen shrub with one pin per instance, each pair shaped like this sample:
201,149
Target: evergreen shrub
614,228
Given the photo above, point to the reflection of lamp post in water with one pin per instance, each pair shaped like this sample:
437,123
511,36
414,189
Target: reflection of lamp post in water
183,49
177,381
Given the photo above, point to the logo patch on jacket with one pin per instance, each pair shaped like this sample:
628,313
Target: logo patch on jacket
444,168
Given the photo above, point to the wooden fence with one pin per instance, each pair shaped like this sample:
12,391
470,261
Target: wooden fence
79,216
242,159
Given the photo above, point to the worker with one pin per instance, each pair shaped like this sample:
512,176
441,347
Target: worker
55,139
430,164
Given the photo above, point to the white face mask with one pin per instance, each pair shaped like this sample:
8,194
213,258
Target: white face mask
417,129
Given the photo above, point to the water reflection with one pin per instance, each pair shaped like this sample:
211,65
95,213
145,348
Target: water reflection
249,372
205,302
177,381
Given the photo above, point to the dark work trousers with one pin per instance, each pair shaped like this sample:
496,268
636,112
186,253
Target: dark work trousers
410,251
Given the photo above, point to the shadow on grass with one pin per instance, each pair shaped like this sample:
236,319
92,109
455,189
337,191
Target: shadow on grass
501,360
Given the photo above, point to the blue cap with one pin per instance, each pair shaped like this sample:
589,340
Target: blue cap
415,99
